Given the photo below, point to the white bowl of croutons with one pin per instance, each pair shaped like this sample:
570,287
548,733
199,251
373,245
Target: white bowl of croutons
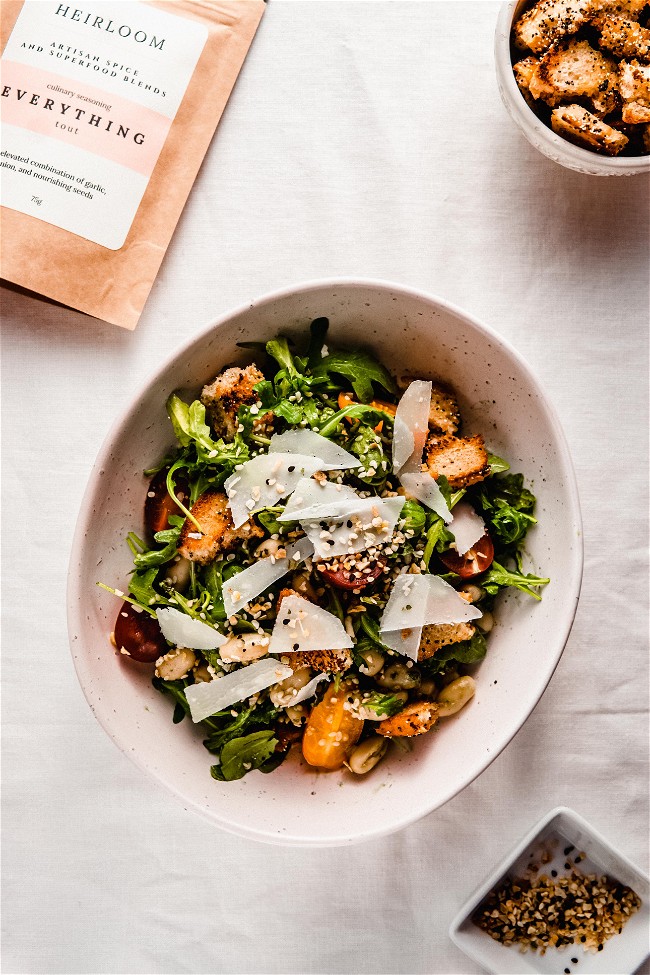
575,77
500,404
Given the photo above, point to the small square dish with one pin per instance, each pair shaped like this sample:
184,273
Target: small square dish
560,843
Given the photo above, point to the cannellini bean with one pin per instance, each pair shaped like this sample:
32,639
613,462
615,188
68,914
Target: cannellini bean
470,592
455,696
485,623
178,573
175,664
282,694
301,583
373,661
269,547
202,675
242,649
297,713
398,677
366,755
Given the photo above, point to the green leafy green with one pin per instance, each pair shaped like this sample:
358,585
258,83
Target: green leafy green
385,705
413,517
356,412
508,508
141,587
155,557
317,334
497,577
361,370
367,446
240,755
497,464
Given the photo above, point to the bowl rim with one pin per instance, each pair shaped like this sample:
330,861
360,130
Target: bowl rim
515,851
84,523
545,139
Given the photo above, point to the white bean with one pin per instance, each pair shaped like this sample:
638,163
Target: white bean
373,661
398,677
176,664
282,694
178,573
366,755
485,623
202,675
242,649
269,547
455,696
296,714
301,583
470,592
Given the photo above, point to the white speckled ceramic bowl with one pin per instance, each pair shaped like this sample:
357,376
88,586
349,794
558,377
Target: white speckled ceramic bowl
500,397
540,135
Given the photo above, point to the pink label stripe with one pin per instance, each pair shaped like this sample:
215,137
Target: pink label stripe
126,133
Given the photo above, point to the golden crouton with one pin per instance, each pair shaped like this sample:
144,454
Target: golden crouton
437,635
585,129
414,719
217,533
572,70
324,661
622,8
634,86
549,21
624,38
523,71
462,460
444,414
231,389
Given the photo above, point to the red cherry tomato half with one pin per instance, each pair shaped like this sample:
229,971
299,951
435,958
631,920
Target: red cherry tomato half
158,505
346,579
139,634
472,563
287,735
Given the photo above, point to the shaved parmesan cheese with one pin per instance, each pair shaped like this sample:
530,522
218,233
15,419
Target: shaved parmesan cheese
310,443
309,689
300,625
419,600
424,488
264,480
467,527
239,590
406,641
411,426
371,523
184,631
208,697
316,500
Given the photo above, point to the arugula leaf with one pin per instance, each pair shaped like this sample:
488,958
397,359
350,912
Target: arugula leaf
317,334
367,446
438,537
497,577
141,587
497,464
356,411
412,517
360,368
279,350
241,755
385,705
156,557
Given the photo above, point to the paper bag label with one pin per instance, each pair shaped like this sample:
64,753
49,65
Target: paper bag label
88,95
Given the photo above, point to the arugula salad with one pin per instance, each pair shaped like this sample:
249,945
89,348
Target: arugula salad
322,553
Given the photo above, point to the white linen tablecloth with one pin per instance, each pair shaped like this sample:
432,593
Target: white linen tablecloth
361,139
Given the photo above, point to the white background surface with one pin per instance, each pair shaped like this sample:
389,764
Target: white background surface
361,139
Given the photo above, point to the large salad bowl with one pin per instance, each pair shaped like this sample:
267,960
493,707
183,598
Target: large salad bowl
412,333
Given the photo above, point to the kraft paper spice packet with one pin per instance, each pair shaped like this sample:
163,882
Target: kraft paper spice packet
105,123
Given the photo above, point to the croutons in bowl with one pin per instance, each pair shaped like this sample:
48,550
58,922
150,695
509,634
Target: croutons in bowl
575,77
413,334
